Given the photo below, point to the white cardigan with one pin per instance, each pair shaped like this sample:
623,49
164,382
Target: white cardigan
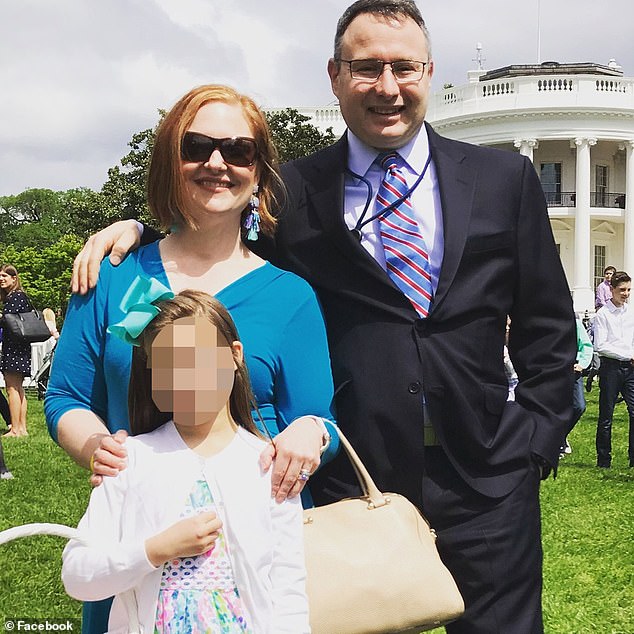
264,539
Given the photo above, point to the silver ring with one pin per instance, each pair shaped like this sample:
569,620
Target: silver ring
304,474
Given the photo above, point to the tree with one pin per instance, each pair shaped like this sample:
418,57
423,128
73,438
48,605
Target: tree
294,137
45,273
125,190
33,218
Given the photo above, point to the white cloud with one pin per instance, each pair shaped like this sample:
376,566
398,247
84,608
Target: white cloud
80,77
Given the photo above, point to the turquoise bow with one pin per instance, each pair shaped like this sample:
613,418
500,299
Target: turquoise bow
138,305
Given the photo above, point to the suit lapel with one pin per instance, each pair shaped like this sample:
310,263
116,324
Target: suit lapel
327,196
456,182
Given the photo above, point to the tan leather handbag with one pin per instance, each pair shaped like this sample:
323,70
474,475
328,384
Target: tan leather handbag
373,566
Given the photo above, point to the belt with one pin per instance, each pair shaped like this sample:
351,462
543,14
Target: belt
619,362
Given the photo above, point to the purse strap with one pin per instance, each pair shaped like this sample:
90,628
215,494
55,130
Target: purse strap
370,490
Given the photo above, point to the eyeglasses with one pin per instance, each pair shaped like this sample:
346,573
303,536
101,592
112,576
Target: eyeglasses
237,150
404,70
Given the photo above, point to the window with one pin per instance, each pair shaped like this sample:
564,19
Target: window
550,176
599,263
601,185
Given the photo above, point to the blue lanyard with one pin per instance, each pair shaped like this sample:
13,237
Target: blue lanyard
356,230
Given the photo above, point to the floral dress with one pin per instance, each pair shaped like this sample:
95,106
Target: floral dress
198,595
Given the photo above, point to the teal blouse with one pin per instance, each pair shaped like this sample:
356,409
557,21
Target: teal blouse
278,319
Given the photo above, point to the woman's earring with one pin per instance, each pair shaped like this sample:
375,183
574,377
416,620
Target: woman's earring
252,221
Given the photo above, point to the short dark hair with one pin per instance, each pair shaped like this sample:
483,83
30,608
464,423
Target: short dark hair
388,9
619,277
609,268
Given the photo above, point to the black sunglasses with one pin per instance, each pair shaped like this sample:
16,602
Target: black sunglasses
237,150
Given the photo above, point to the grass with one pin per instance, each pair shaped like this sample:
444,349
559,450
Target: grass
588,530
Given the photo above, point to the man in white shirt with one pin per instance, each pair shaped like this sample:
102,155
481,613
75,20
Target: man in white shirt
614,341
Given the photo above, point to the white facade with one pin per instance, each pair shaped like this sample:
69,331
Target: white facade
576,123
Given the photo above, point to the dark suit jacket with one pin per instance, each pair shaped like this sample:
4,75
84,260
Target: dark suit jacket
499,259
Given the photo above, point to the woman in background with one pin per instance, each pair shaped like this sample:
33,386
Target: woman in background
16,355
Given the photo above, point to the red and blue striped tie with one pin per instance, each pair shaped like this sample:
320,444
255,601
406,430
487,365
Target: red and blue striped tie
406,254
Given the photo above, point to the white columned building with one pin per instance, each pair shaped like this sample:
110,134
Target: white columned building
575,122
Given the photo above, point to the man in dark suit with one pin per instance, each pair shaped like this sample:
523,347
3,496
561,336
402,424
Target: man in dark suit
424,398
491,254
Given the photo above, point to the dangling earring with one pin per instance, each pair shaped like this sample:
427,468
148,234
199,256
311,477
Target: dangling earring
252,221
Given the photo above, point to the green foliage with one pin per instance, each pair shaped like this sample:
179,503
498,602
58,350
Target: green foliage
34,217
588,525
294,137
45,272
124,193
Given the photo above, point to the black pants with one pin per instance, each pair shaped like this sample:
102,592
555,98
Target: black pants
491,546
4,409
616,377
3,464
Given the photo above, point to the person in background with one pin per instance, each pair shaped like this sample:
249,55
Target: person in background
190,525
614,341
584,358
5,474
511,374
15,363
49,318
4,409
421,390
604,289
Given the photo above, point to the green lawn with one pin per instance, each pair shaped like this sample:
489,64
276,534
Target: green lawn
588,517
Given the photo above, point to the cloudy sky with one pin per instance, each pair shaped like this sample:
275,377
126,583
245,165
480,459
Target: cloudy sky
79,77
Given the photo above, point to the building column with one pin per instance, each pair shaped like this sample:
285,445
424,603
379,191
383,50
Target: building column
628,229
582,291
526,147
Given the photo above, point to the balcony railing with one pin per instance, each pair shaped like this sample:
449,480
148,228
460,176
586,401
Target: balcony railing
607,199
535,92
613,200
560,199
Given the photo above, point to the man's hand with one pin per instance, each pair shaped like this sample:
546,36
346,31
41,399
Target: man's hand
117,240
187,538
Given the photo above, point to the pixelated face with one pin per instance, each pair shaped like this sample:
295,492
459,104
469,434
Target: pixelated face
192,370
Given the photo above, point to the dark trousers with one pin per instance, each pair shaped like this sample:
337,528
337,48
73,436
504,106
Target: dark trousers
3,464
4,409
578,401
615,377
491,546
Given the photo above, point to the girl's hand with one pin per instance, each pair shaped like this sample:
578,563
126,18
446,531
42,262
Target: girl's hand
295,450
187,538
109,458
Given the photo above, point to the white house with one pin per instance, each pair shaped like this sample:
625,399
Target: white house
576,123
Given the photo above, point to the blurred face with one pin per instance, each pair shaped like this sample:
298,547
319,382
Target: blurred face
383,114
608,275
7,282
621,294
215,187
192,370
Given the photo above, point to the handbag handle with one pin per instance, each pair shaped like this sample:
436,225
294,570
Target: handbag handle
375,498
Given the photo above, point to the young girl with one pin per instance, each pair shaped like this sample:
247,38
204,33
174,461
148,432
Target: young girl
190,525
